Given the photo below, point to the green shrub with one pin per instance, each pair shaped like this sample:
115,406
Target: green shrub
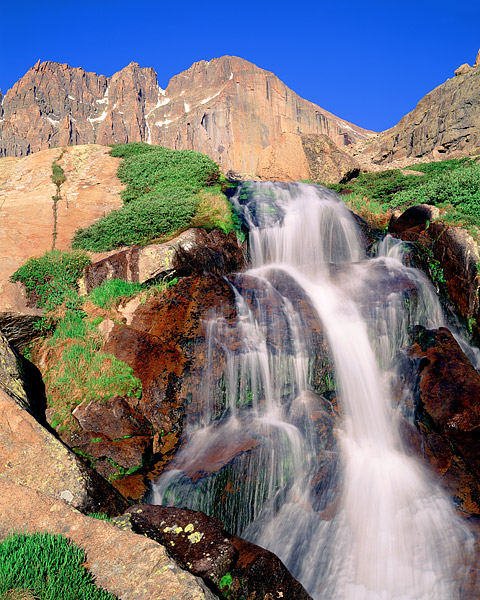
138,222
452,185
163,192
112,290
51,279
47,565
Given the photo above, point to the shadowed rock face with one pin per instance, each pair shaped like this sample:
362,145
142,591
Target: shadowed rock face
227,108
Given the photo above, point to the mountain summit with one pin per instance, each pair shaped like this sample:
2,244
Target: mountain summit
227,108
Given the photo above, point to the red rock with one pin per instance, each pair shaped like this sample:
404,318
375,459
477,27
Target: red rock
446,401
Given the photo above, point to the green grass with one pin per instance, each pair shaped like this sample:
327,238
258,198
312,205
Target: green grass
79,370
451,185
165,190
48,566
112,290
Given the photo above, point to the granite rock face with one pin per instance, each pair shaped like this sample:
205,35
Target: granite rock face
445,123
294,157
226,108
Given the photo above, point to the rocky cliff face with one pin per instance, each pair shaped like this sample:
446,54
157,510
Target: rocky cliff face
445,123
227,108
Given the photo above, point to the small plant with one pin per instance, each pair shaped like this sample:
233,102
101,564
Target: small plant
48,566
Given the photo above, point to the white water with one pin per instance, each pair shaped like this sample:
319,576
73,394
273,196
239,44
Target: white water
382,529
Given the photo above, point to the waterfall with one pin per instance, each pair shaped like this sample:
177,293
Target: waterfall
312,467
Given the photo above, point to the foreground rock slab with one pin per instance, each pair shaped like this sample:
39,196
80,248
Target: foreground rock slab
128,565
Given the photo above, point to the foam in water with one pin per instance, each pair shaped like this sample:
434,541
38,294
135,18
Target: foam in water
390,534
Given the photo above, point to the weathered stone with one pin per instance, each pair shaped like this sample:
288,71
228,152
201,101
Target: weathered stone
91,190
226,108
114,418
128,565
445,123
447,388
477,60
327,163
193,251
200,544
33,457
284,160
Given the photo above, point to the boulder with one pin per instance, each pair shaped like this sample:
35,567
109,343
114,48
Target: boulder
232,566
294,157
462,69
193,251
128,565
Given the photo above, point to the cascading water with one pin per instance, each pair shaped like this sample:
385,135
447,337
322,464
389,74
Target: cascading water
350,514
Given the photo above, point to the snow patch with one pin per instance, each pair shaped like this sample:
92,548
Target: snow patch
209,98
71,97
231,76
52,121
100,118
162,123
104,100
187,107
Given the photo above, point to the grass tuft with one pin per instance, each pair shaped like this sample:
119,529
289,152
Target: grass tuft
45,566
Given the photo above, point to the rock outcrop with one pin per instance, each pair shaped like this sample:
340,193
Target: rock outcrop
32,457
193,251
91,189
445,123
454,249
295,157
232,566
226,108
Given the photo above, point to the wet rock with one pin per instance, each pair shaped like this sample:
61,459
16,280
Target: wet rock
115,418
234,567
456,252
128,565
447,389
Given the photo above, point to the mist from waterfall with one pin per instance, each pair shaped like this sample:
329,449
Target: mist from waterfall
378,527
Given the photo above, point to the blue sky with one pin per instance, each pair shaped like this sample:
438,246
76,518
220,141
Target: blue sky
367,61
